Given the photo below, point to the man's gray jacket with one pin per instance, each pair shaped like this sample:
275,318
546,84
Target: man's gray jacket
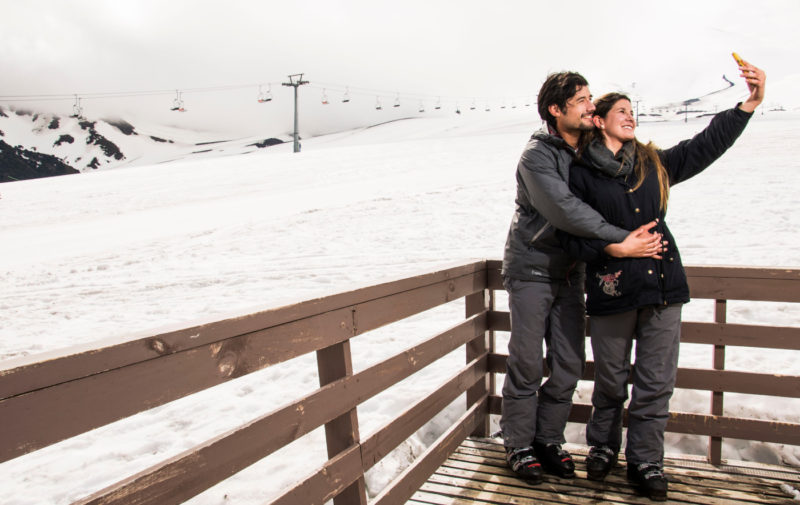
543,204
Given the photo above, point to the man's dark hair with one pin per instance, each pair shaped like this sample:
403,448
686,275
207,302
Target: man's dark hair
557,89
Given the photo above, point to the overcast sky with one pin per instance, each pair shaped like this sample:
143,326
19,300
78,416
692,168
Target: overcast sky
496,52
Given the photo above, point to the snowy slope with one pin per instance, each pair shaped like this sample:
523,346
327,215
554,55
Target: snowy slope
117,254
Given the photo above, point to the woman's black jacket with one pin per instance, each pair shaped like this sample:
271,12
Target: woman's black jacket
615,285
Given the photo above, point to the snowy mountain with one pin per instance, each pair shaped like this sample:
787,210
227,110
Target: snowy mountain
38,144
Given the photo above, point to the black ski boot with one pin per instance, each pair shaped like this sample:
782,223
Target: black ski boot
650,479
523,462
555,460
599,462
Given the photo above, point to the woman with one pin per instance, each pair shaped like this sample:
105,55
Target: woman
638,297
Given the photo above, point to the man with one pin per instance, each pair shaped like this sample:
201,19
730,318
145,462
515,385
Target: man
545,285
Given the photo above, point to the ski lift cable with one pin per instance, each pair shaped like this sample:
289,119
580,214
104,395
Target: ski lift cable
347,91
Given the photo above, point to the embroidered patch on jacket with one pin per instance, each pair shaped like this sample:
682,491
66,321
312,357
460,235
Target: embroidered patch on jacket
609,283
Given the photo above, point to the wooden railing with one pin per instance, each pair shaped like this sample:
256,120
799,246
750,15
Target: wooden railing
43,401
720,284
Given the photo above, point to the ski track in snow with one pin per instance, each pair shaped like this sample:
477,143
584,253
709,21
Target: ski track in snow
119,254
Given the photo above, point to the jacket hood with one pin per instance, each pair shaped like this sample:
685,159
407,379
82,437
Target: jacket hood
598,156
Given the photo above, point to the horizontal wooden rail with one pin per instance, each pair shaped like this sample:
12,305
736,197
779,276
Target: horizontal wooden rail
772,337
702,379
699,424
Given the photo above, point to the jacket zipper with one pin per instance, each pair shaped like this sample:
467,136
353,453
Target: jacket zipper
539,233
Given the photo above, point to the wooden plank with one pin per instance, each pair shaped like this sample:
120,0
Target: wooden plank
194,471
28,373
770,337
743,429
334,363
703,379
406,424
402,488
698,424
739,382
739,272
330,482
475,303
752,289
378,312
42,417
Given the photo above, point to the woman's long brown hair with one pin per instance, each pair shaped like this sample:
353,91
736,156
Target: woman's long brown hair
646,155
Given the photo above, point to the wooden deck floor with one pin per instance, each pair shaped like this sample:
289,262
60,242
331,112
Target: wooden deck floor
476,474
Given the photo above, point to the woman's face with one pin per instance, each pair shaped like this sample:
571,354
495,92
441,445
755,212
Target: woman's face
619,124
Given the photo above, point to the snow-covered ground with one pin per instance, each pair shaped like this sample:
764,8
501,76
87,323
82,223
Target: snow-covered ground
117,254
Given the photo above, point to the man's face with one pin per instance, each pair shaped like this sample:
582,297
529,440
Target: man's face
577,115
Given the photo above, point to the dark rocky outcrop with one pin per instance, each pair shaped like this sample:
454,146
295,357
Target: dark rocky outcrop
123,126
267,143
18,164
109,148
54,124
64,138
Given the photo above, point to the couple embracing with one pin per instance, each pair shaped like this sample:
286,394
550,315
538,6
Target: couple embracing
590,207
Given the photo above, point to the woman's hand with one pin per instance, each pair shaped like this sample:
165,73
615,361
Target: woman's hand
640,243
755,78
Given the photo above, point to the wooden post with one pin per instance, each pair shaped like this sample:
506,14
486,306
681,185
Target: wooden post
476,303
333,363
717,408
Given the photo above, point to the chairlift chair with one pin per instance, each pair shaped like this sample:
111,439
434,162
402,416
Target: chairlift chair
177,104
378,104
265,97
472,107
77,110
397,101
438,104
346,96
421,106
324,97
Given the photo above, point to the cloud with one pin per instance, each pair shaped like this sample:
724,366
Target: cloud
457,50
